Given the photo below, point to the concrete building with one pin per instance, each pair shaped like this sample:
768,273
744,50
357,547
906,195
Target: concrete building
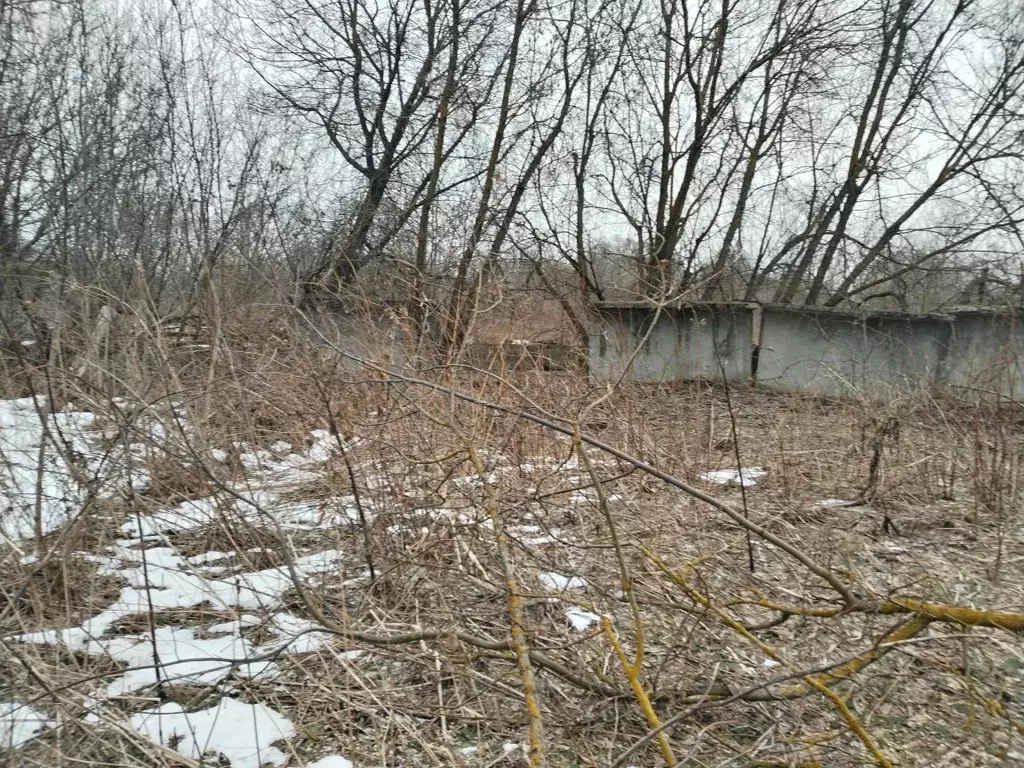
812,349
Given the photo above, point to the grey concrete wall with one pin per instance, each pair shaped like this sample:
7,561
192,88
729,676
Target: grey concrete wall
837,353
986,354
819,351
693,342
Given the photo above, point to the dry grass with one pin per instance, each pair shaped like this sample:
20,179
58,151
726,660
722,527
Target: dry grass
63,591
172,482
938,519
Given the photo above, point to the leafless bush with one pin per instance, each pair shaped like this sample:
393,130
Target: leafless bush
500,572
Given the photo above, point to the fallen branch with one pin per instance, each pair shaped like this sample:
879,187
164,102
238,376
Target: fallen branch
941,612
851,719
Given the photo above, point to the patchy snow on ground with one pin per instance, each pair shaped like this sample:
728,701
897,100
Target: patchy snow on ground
260,507
834,503
298,635
231,730
746,477
156,578
558,582
179,657
280,466
34,476
211,557
581,619
331,761
19,723
235,626
166,581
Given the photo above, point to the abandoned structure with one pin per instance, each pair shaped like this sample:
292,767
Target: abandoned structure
812,349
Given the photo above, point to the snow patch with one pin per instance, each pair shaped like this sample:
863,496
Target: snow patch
20,723
182,658
558,582
235,627
209,557
232,730
746,477
539,541
187,516
580,619
888,549
33,463
163,585
298,635
331,761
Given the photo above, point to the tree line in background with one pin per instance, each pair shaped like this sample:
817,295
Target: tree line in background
829,152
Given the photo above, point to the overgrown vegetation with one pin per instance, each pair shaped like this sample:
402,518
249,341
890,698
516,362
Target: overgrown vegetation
299,463
501,567
797,151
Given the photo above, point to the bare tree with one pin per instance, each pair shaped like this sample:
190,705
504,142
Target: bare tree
382,84
915,103
673,155
533,114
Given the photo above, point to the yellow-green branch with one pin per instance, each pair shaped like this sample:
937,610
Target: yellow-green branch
632,672
852,721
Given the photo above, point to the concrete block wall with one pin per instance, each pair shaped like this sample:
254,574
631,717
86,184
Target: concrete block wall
986,354
687,342
836,354
815,350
